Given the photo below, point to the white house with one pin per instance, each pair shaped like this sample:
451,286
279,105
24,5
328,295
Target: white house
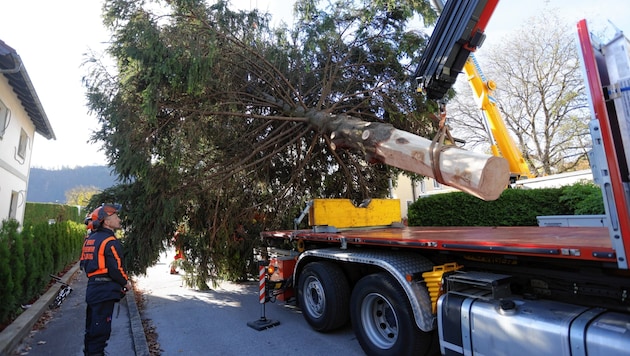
555,180
21,116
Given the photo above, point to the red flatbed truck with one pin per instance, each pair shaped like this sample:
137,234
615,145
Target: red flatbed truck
477,290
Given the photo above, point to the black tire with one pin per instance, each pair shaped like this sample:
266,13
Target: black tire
382,318
324,295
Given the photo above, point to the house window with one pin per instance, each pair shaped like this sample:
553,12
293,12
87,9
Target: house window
4,118
23,143
436,184
14,205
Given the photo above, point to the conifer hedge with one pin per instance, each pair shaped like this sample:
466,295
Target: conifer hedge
29,256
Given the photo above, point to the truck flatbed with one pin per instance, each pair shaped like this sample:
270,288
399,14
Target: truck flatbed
573,243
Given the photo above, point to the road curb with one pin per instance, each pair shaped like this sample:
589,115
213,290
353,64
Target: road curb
13,334
141,347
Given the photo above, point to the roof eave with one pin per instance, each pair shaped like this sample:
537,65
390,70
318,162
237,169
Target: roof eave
23,87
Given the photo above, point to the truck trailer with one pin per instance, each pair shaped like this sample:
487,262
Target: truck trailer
536,290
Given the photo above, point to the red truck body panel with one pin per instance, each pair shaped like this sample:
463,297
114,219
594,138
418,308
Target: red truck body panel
574,243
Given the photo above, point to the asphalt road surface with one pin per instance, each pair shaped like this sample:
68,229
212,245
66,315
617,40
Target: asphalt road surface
215,322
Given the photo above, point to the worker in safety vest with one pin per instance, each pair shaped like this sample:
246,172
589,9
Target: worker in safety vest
90,228
107,280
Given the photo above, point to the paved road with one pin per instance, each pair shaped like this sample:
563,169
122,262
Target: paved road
192,322
62,333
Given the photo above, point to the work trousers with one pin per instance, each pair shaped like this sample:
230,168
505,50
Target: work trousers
98,326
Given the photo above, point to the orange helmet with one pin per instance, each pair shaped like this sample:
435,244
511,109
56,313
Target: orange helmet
88,222
99,214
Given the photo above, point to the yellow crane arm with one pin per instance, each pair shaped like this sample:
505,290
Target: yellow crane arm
502,144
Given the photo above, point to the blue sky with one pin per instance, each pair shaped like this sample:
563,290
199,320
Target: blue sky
52,37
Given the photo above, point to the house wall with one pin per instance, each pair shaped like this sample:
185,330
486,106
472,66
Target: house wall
555,180
14,170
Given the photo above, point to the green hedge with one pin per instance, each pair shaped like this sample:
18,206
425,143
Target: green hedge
36,213
515,207
29,256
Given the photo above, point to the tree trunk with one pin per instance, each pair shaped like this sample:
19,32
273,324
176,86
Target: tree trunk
481,175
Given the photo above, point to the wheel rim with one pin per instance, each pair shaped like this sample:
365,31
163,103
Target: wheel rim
314,297
379,320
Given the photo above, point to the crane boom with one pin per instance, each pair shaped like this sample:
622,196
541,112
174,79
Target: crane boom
459,32
502,144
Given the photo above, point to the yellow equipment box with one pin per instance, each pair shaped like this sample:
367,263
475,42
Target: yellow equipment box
342,213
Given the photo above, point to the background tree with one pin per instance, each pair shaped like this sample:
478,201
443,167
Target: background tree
218,123
540,94
81,195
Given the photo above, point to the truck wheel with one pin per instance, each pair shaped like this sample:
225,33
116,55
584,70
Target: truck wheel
382,318
323,295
